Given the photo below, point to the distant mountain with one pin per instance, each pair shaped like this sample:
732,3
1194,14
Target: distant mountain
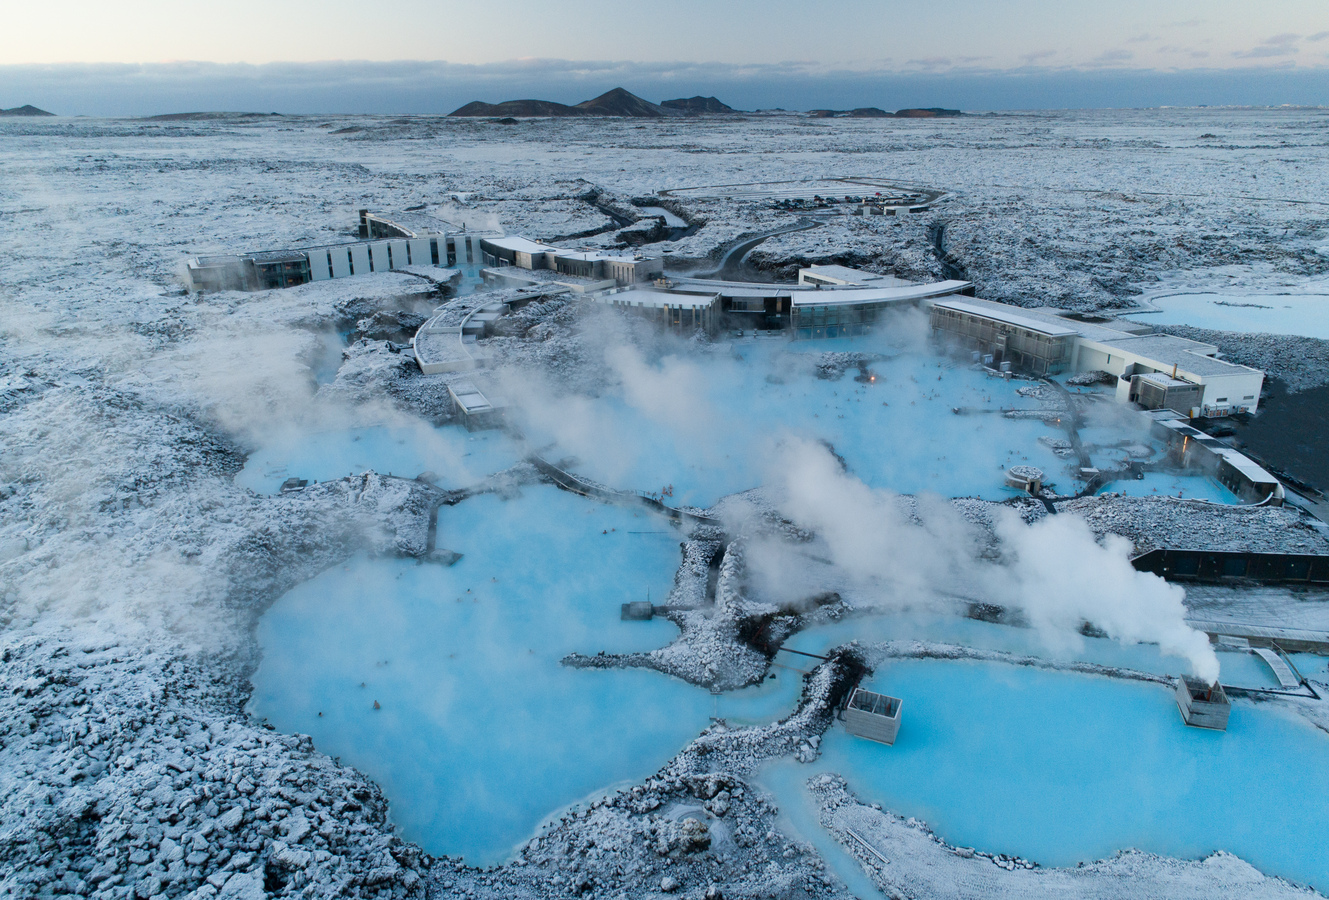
871,112
28,110
207,116
618,102
931,112
863,112
523,108
694,106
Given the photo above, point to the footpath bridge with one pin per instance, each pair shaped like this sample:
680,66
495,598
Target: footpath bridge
569,482
1286,677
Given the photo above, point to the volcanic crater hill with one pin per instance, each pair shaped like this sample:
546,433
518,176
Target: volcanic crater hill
25,110
618,102
699,106
214,116
518,108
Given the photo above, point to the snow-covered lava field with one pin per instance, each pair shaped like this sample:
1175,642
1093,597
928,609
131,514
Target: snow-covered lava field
410,678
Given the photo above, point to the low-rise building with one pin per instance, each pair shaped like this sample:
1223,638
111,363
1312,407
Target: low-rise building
1191,448
477,407
680,312
1006,334
840,276
409,239
621,268
1157,371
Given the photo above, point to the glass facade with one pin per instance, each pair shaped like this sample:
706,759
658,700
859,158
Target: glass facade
836,320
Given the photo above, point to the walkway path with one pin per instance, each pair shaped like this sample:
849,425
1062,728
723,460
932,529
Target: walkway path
1293,640
569,482
731,264
1281,668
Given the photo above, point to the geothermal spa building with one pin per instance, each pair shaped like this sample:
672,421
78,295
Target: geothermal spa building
268,269
1156,371
390,245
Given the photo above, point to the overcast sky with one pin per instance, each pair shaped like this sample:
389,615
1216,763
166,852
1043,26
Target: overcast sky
422,55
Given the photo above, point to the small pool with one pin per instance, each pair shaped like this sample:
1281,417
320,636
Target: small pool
1064,768
1162,484
457,456
1300,314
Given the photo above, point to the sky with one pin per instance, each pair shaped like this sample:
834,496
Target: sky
427,56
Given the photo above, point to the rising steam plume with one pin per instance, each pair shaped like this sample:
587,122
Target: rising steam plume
1053,570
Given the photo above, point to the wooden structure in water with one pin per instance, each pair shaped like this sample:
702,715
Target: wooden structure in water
872,716
637,611
1202,705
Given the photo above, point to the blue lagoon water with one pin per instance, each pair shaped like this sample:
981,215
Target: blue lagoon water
1063,768
1300,314
898,432
481,731
459,457
1164,484
1238,667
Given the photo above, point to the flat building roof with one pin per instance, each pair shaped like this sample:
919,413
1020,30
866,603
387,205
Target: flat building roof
854,276
1169,350
661,299
855,296
469,398
1041,326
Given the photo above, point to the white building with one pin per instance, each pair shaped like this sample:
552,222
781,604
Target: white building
1226,387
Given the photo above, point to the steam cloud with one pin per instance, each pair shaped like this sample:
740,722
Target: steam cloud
1060,576
901,551
1053,570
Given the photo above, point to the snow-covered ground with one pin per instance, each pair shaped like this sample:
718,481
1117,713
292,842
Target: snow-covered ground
135,565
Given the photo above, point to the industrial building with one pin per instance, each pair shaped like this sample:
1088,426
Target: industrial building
1157,371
